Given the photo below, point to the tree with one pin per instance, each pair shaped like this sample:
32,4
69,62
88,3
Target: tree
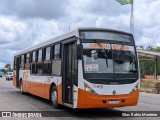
8,67
148,67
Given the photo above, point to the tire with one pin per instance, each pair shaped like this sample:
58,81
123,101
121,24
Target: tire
54,97
21,87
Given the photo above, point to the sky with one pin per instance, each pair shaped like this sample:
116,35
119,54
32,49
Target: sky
25,23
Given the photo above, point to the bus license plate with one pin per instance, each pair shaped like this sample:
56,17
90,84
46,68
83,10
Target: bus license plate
113,101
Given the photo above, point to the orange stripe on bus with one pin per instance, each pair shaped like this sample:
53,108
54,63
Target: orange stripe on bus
59,90
41,90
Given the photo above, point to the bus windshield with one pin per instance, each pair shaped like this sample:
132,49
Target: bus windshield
109,58
96,62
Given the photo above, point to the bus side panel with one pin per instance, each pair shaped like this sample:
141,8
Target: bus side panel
81,95
47,90
25,86
57,81
81,102
59,90
38,88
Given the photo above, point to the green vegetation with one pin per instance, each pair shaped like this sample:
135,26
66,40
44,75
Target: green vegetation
148,67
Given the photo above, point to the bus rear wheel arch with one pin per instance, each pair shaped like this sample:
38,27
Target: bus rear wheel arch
54,97
21,87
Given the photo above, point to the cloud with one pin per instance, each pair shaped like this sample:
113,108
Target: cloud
34,8
24,23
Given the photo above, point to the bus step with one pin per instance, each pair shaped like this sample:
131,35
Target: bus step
68,105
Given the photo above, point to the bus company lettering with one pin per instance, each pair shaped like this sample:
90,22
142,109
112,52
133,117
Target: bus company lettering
120,47
96,46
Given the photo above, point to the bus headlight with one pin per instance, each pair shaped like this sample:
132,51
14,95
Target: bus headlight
135,88
89,89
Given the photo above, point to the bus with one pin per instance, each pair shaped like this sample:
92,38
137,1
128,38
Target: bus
84,68
1,73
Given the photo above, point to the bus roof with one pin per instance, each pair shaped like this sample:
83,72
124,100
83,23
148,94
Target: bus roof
65,36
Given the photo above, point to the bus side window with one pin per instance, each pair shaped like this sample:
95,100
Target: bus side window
56,60
39,63
26,61
22,62
47,61
33,64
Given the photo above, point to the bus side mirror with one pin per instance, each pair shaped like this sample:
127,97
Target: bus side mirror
79,51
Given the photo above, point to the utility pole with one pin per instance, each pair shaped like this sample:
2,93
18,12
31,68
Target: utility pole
132,18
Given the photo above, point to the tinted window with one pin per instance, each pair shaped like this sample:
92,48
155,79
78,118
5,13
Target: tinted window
56,67
39,68
33,56
56,62
39,53
22,59
56,51
47,53
33,68
27,57
47,68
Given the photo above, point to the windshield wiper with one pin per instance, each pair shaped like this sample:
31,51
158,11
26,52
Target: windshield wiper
122,46
104,52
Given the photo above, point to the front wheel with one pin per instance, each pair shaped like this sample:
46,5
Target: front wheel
54,97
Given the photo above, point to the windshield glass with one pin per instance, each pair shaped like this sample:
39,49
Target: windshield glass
103,35
108,58
97,59
124,58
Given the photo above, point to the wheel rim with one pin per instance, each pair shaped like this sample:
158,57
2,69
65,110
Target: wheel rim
54,97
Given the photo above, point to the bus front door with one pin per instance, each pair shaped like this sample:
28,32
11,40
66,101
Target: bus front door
68,72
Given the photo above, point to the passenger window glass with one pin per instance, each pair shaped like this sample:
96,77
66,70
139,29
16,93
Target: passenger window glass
33,56
27,57
33,65
39,53
33,68
47,53
56,51
47,68
56,62
56,67
22,59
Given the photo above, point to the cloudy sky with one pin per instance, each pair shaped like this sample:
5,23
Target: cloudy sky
24,23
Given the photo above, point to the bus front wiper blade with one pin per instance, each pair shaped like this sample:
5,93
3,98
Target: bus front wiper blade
104,53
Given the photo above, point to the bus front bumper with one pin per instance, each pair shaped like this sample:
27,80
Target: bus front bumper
88,100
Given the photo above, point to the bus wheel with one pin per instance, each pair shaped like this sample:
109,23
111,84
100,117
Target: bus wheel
54,97
21,87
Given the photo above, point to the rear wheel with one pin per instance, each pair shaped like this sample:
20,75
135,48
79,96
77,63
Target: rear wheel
21,87
54,97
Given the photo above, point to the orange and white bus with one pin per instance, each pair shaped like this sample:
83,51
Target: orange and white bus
85,68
